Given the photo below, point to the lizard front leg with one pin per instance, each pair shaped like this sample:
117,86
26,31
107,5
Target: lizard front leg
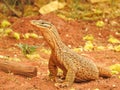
70,77
52,68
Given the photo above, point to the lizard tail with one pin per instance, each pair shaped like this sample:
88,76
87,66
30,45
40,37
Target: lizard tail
104,72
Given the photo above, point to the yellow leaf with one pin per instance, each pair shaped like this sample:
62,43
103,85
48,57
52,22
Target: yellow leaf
8,30
26,36
72,89
5,23
52,6
110,47
88,46
10,58
119,77
60,72
100,48
1,56
113,40
16,35
64,17
117,48
78,49
1,30
88,37
114,72
14,59
115,68
33,35
45,51
100,23
33,56
96,89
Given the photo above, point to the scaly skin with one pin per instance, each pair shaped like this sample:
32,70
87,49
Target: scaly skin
75,67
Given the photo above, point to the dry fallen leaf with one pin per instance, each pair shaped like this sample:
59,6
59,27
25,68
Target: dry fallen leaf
45,51
88,37
34,56
8,30
5,23
72,88
88,46
119,77
115,68
100,23
117,48
64,17
96,89
78,49
100,48
113,40
110,47
16,35
52,6
114,72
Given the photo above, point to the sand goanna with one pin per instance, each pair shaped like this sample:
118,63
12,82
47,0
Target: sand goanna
75,67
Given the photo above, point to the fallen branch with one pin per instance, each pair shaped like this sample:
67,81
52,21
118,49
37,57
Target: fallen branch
17,68
19,14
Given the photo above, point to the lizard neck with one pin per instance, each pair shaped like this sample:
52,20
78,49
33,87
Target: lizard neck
58,45
53,39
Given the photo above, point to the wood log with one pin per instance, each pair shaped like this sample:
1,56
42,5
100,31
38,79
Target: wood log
18,68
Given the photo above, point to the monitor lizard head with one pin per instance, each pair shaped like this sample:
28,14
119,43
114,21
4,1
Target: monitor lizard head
41,24
48,31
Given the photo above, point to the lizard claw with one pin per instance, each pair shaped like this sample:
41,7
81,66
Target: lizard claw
58,80
47,78
62,85
53,79
50,78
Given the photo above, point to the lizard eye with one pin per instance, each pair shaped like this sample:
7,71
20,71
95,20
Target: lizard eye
46,24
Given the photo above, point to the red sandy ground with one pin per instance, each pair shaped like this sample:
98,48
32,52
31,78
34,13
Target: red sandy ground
71,33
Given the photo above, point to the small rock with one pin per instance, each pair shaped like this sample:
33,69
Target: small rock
114,86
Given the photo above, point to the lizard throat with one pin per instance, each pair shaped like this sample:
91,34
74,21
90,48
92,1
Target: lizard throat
54,40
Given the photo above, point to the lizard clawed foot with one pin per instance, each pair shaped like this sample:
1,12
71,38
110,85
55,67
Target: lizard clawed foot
47,78
58,80
62,85
53,79
50,78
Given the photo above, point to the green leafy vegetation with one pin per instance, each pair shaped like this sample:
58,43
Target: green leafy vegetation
27,49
